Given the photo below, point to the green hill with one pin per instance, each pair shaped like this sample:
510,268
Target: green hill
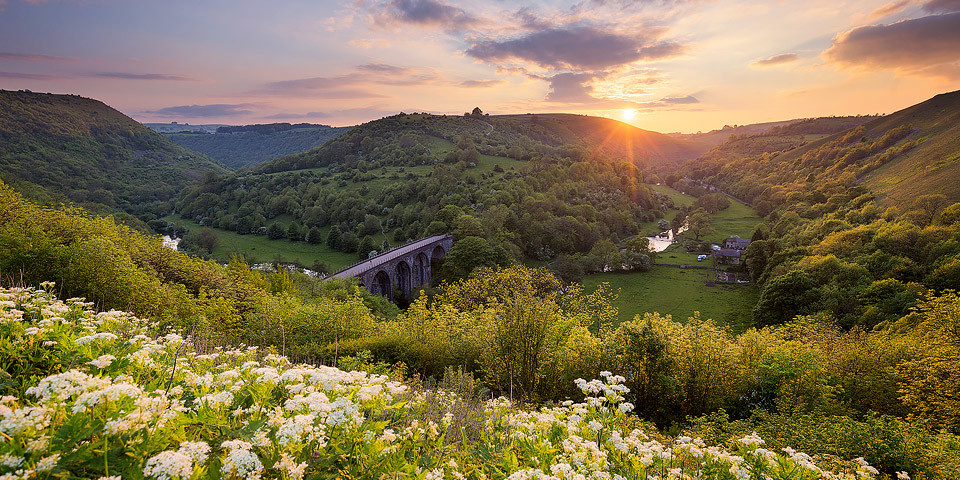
613,138
59,148
896,156
933,165
536,188
239,147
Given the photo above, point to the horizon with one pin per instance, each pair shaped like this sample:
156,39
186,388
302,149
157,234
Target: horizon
667,67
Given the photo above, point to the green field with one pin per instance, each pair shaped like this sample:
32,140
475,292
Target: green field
675,255
258,248
737,219
679,198
678,292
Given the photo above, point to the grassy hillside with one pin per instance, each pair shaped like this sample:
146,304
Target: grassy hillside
69,148
253,146
933,165
782,136
896,156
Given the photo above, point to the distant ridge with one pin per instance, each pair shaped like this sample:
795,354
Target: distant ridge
250,145
615,138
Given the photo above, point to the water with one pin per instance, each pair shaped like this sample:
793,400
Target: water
659,244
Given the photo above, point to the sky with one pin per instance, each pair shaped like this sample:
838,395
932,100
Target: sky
668,66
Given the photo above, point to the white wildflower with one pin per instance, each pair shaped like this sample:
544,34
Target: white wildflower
103,361
290,468
46,464
169,464
10,461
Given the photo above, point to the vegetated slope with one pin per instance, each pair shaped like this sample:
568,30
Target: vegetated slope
613,138
404,176
933,165
66,147
239,147
914,150
781,138
862,251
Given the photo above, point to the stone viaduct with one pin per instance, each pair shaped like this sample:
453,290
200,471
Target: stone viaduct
403,268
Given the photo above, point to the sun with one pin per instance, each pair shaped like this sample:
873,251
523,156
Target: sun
629,114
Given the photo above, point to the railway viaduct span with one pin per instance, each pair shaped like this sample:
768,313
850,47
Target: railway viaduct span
403,268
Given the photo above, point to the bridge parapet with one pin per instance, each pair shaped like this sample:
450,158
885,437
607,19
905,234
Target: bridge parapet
402,268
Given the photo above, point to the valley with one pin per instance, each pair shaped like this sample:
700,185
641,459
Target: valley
480,240
833,276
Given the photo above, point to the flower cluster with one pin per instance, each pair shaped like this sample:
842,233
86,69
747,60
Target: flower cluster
136,401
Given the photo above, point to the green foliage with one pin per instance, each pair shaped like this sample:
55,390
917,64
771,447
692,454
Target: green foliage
785,297
143,404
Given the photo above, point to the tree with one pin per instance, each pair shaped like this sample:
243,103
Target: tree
926,208
366,247
467,226
476,112
348,242
436,228
785,297
469,253
606,250
677,222
568,268
448,214
314,236
698,223
333,240
208,240
294,232
276,231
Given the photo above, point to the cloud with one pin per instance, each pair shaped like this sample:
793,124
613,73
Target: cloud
923,46
141,76
28,76
479,83
776,60
889,9
684,100
288,115
530,21
382,68
351,114
29,57
350,85
434,13
942,6
571,88
195,111
579,47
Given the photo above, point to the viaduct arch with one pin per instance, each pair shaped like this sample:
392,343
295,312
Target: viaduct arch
403,268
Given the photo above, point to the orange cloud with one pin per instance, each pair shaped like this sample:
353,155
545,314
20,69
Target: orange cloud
928,46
